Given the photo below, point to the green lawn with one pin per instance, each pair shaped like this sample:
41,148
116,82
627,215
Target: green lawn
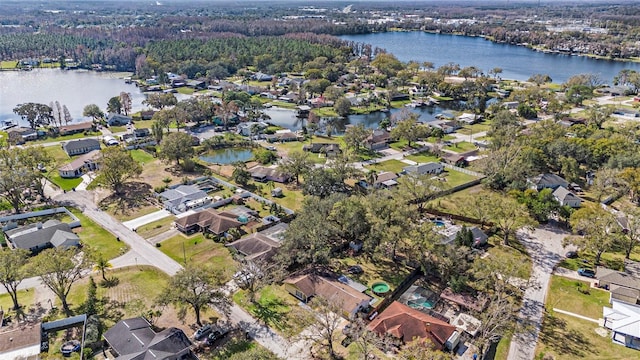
199,250
65,184
49,139
98,238
514,251
142,156
566,338
8,64
395,166
156,228
277,308
291,199
567,294
502,349
455,178
25,299
117,129
185,90
284,105
475,128
461,147
136,284
325,112
58,155
423,157
375,270
612,260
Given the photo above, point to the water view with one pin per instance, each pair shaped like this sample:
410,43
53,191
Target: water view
227,156
517,62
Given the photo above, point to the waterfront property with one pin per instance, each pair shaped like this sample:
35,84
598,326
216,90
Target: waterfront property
118,119
82,146
75,128
264,174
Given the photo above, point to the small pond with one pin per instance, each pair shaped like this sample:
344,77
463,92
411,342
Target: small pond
227,156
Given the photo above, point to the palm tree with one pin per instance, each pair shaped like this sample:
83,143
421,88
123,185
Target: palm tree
102,265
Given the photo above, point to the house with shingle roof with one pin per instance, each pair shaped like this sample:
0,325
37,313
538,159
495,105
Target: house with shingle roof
82,146
408,324
176,199
75,128
39,236
81,165
208,220
260,246
547,181
623,286
566,197
350,300
133,339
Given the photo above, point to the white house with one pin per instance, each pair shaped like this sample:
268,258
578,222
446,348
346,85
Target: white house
427,168
623,320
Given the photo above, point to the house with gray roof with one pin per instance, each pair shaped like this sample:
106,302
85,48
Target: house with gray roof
176,199
118,119
623,287
547,181
260,246
39,236
82,146
422,169
566,197
133,339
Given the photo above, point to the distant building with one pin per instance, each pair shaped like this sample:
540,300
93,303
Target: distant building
566,197
81,165
118,119
176,199
75,128
547,181
422,169
82,146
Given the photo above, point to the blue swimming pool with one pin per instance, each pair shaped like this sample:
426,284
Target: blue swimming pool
438,222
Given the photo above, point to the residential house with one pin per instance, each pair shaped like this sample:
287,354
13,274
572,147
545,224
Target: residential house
260,246
208,220
622,286
623,320
118,119
378,140
283,136
40,236
134,339
176,199
547,181
449,235
408,324
510,105
418,90
305,287
383,180
264,174
261,77
566,197
75,128
141,133
80,165
147,114
330,150
82,146
454,159
289,97
422,169
20,135
468,118
197,84
247,128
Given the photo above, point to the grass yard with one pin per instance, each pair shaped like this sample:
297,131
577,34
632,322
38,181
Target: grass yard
65,184
156,228
58,155
138,212
475,128
98,238
454,178
461,147
277,308
612,260
454,202
117,129
284,105
514,251
142,156
49,139
567,338
8,64
325,112
199,250
375,270
291,199
502,349
567,294
185,90
135,284
25,299
423,157
395,166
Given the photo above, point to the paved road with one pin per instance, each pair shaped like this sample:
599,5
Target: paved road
544,246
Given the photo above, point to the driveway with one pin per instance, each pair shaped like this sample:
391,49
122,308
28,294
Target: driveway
544,245
146,219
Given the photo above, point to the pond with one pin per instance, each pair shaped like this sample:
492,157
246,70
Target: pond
227,156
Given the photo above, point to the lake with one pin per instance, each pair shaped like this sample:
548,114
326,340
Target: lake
227,156
517,62
74,88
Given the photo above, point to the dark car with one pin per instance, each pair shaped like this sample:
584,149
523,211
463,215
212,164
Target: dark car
202,332
571,254
355,269
216,334
70,347
587,272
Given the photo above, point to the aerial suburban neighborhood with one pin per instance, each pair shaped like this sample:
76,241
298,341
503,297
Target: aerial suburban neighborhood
186,180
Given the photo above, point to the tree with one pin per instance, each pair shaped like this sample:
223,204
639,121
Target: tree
20,174
540,79
355,135
12,271
125,101
114,105
421,350
631,237
325,332
226,111
157,130
240,173
160,100
195,286
366,342
102,265
507,215
252,274
322,182
59,269
578,93
387,64
91,304
93,111
116,167
296,163
495,72
409,129
176,146
342,106
599,228
35,114
67,115
597,115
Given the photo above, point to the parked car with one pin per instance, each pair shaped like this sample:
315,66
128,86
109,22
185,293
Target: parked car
202,332
355,269
571,254
70,347
216,334
587,272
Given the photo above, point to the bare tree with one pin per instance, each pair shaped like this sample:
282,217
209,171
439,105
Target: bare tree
325,330
67,115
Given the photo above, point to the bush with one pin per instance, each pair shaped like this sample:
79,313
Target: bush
158,245
160,189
